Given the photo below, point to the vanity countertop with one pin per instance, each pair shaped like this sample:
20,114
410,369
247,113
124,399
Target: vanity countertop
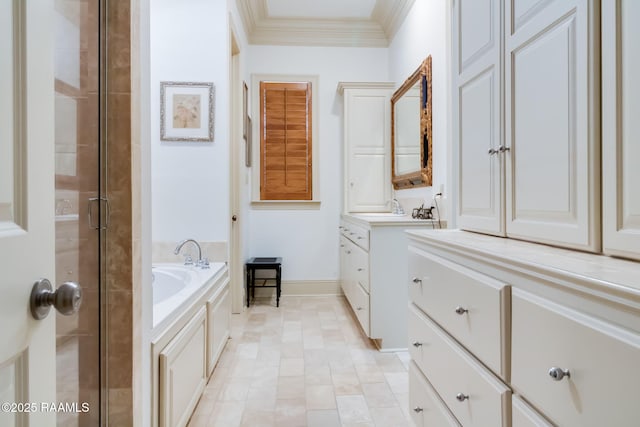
389,219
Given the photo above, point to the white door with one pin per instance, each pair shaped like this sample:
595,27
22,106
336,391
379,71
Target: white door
477,111
27,353
551,122
620,127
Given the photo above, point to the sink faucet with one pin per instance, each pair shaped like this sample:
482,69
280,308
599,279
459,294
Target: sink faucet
397,209
202,262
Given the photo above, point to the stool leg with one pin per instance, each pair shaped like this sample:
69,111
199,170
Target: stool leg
278,285
248,284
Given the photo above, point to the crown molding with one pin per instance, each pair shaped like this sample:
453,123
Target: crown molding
390,14
387,17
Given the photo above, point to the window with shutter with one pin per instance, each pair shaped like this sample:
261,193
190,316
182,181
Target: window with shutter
285,141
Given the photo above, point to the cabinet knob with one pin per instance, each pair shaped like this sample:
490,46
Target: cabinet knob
359,308
360,269
359,237
503,148
342,246
417,344
461,310
557,374
348,252
462,397
417,409
416,280
492,151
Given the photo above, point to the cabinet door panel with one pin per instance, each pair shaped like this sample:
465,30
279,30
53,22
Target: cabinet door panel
551,127
477,36
621,109
477,94
479,174
602,361
367,122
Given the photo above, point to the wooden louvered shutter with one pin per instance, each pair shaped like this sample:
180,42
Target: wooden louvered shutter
285,141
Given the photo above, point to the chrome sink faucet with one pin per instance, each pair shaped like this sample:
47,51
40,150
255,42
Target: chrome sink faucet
202,262
397,208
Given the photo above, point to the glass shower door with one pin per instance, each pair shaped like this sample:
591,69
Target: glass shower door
77,160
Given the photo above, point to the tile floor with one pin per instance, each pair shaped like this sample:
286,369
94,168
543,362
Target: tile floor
306,363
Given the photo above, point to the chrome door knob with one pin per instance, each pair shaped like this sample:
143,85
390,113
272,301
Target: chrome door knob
557,374
462,397
66,299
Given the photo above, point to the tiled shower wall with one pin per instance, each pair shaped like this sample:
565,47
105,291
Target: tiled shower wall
121,266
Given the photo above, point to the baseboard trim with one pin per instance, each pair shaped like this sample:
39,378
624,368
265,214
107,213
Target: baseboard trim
303,288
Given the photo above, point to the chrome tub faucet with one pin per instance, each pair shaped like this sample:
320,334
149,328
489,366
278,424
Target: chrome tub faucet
201,262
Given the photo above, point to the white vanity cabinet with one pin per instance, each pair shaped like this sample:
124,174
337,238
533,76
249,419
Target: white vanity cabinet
621,128
367,145
373,267
540,336
186,350
538,179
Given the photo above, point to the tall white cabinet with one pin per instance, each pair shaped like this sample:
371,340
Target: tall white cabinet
367,146
621,127
526,76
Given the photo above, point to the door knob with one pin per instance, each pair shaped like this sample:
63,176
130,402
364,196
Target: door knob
234,218
66,299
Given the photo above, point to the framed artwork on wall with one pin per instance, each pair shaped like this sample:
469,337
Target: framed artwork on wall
186,111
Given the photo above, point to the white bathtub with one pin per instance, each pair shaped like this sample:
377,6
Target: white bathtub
175,285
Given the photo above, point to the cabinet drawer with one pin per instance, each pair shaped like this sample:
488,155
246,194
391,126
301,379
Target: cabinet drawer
602,360
425,406
524,415
360,260
360,307
474,395
472,307
359,235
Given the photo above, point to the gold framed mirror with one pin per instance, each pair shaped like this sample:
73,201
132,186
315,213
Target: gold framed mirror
411,140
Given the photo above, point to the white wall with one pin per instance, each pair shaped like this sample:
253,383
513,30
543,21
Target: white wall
307,240
426,31
190,181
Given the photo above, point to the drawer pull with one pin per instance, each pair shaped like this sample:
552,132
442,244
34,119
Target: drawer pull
360,269
461,310
557,374
359,308
462,397
416,280
417,409
417,344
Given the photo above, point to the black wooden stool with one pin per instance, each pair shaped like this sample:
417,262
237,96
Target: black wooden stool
263,264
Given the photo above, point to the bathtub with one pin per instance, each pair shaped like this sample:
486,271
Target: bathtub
175,286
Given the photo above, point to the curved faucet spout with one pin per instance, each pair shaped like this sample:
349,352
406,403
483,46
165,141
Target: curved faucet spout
184,242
